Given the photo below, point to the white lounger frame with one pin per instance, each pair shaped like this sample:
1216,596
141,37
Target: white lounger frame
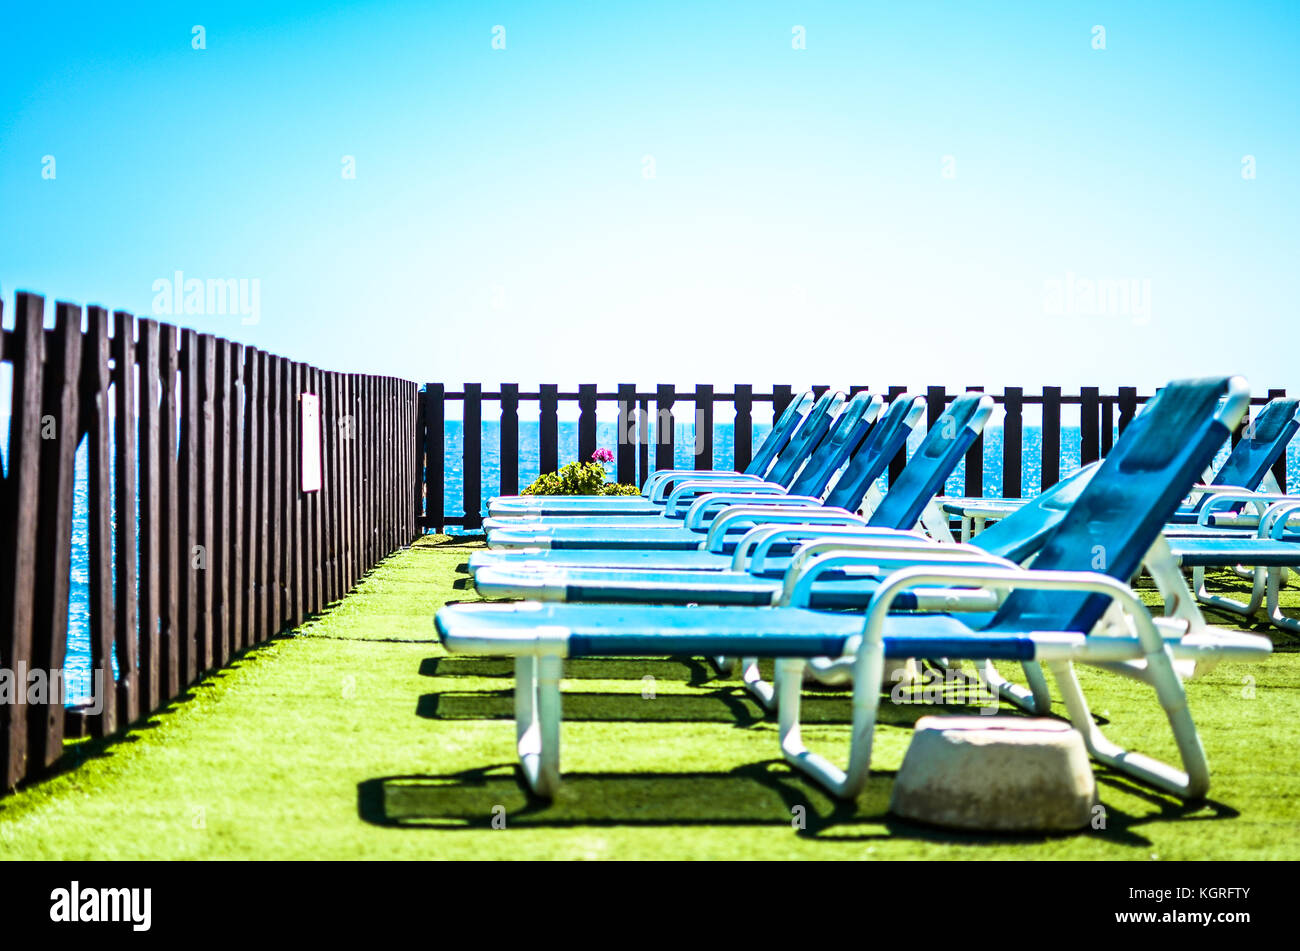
1150,651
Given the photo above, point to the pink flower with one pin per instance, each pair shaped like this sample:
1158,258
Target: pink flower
602,455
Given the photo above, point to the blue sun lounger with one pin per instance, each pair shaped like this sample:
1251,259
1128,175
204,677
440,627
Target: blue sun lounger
1233,488
1269,554
1058,612
885,440
942,448
805,475
788,441
754,574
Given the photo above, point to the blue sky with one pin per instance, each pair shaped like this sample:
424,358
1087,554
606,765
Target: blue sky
672,192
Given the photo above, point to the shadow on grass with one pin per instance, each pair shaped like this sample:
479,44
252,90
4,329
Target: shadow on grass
724,705
80,746
452,542
759,794
754,794
690,671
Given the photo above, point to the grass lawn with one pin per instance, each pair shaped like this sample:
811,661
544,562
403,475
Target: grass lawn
361,738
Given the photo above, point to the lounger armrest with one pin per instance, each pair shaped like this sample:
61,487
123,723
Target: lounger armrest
818,558
1273,522
992,508
1209,488
689,491
756,545
706,507
1232,497
1150,638
774,515
656,486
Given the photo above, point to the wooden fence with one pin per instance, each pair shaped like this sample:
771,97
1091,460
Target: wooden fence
203,440
1101,416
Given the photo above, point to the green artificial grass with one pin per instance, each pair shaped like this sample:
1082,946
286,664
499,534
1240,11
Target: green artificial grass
361,738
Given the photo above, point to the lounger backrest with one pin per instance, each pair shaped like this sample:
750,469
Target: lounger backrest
1260,445
927,470
1022,533
806,438
882,444
1122,509
778,437
851,425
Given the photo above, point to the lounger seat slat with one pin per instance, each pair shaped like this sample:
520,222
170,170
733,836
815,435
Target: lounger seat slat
596,630
1210,552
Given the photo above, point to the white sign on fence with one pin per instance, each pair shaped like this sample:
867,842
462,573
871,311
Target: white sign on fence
310,403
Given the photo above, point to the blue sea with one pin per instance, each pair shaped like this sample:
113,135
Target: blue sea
78,655
684,456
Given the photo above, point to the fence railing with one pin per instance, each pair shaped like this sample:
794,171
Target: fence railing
1101,416
246,503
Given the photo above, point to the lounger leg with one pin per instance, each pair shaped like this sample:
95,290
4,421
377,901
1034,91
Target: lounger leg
537,721
789,684
869,665
725,666
1276,579
1257,592
1191,784
1037,699
935,521
762,691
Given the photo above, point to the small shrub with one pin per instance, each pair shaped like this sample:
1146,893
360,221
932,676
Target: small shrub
581,478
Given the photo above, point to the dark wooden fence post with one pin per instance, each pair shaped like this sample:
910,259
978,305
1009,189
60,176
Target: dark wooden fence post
665,397
58,460
1089,425
1279,467
281,404
743,431
626,437
472,462
434,448
274,601
703,426
316,500
509,438
1107,424
251,499
936,401
548,449
169,525
1051,458
188,497
586,421
219,555
1012,435
1127,406
974,486
782,394
643,440
20,501
96,379
150,497
235,576
124,468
